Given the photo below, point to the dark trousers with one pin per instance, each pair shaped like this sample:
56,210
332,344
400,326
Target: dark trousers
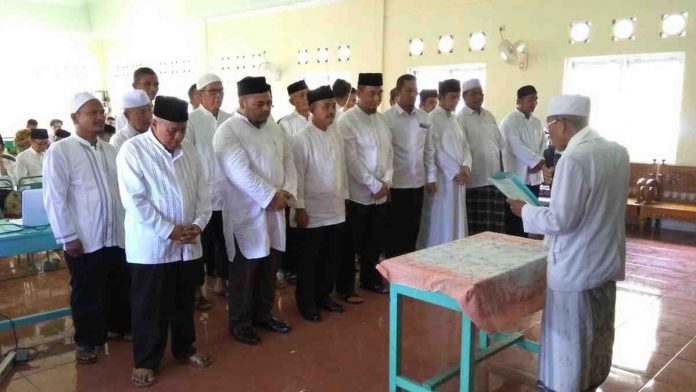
99,296
252,288
321,249
404,215
165,297
513,223
214,250
291,255
364,235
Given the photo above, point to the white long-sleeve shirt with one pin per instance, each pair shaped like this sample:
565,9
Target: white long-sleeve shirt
160,190
292,124
257,163
486,144
452,149
322,181
369,154
526,141
414,155
121,120
200,131
29,164
81,194
585,222
122,135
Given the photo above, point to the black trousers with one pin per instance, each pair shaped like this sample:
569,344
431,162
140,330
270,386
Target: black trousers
214,250
99,295
165,299
404,215
252,288
513,223
291,255
364,235
321,249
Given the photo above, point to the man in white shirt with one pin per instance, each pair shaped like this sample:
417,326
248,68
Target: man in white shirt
145,79
137,108
485,204
166,195
256,159
444,218
320,209
428,100
30,161
7,163
414,167
194,97
369,160
202,124
292,124
525,144
585,229
55,125
84,208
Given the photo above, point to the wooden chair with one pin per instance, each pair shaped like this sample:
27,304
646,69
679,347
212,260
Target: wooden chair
678,196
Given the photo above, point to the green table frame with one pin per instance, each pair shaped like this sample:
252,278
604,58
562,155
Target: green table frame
489,344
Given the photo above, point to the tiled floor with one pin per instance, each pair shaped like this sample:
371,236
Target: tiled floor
655,346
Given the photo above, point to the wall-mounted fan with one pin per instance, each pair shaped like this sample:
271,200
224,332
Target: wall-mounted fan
513,54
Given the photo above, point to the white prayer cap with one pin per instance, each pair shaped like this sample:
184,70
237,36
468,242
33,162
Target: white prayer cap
571,105
206,79
79,100
470,84
135,99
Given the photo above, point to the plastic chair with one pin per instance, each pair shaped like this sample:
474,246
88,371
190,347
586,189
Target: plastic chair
6,184
33,182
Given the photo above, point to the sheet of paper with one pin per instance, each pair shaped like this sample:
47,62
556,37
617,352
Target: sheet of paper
513,188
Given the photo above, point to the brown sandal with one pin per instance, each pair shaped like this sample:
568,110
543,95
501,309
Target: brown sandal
197,360
352,298
142,378
86,355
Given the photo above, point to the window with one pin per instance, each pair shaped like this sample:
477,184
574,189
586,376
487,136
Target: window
429,77
636,99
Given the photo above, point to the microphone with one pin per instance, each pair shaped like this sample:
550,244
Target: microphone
550,156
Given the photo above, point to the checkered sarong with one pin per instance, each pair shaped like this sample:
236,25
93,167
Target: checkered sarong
485,210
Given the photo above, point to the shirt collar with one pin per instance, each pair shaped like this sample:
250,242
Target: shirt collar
472,112
246,120
585,135
400,111
206,111
447,113
96,145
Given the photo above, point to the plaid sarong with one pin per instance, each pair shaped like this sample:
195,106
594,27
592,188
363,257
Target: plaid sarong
485,210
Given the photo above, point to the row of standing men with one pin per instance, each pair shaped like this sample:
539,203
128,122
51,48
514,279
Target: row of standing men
157,195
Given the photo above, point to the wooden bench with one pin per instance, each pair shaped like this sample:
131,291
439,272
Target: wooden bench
678,196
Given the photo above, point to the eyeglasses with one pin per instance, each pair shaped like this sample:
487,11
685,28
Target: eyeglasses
552,122
215,91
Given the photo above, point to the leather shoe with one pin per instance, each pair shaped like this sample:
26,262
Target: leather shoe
310,315
273,325
245,335
331,305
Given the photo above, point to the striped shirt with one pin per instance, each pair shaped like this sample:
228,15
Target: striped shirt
160,190
81,193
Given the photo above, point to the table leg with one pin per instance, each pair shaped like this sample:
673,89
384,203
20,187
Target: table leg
467,359
394,337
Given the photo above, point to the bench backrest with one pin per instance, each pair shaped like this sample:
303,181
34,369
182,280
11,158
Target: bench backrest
678,183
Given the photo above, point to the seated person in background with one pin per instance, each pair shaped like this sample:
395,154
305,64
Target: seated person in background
55,125
21,139
30,161
107,133
7,163
61,134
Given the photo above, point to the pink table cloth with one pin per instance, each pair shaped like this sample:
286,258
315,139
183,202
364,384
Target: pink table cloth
495,278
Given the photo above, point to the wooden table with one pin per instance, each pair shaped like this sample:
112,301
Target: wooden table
491,279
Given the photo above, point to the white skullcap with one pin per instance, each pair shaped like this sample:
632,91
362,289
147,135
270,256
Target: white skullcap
571,105
79,100
206,79
135,99
469,84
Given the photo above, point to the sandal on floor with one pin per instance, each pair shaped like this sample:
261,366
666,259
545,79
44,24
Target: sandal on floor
86,355
197,360
352,298
142,378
